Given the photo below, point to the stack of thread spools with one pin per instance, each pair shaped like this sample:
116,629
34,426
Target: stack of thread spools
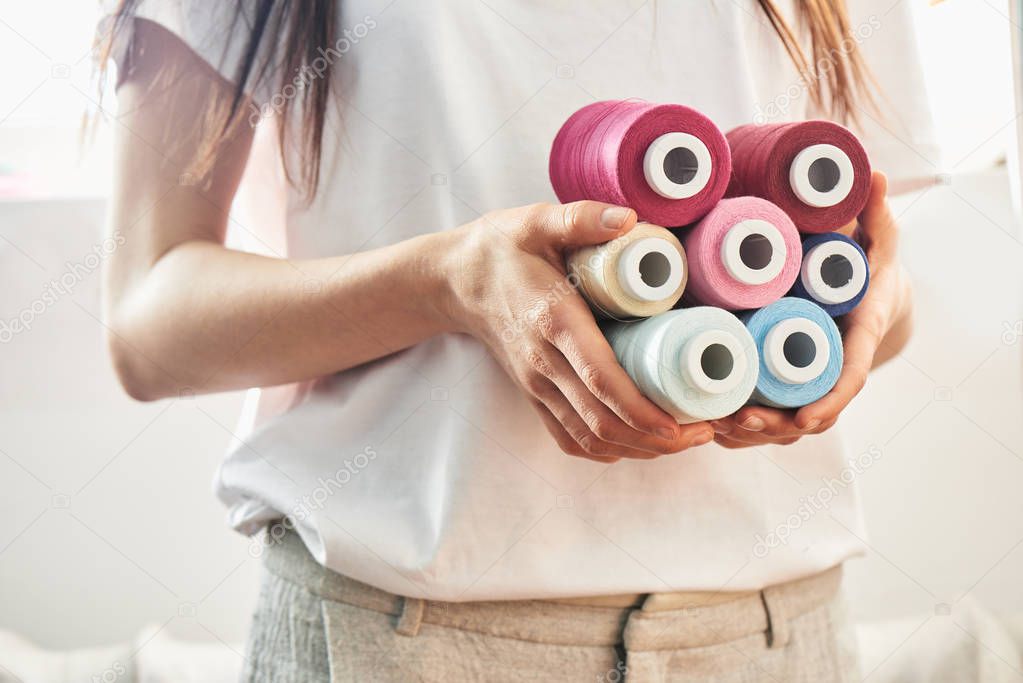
732,300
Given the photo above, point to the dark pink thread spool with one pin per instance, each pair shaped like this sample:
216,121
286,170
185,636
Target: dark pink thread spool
668,162
744,254
815,171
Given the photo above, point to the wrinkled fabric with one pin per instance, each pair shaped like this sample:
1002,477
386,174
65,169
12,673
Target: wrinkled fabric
315,625
427,472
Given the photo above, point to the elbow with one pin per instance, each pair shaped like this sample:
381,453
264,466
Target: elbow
136,374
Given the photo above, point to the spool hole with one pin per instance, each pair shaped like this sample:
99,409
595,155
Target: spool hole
799,349
654,269
824,174
836,271
717,362
755,251
681,165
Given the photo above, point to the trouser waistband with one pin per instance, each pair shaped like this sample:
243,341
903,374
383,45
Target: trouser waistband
662,620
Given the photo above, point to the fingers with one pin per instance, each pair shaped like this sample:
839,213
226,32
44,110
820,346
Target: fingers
734,443
583,441
609,426
875,214
576,335
860,342
727,442
754,425
768,422
561,226
876,226
564,440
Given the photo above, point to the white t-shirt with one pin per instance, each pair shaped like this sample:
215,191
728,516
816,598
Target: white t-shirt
426,473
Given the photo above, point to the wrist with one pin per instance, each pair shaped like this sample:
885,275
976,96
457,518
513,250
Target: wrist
443,272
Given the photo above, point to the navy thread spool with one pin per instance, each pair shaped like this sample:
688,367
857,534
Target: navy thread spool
834,274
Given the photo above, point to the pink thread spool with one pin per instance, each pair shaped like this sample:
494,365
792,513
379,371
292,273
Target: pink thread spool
744,254
815,171
668,162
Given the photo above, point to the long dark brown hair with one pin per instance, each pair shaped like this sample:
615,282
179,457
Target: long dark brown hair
285,37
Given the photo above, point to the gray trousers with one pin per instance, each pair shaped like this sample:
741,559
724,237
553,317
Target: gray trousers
312,624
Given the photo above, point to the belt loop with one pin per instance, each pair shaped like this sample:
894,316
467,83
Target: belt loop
411,616
778,630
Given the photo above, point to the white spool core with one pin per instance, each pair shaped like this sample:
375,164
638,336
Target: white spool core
634,276
810,273
731,254
656,175
693,357
838,177
774,351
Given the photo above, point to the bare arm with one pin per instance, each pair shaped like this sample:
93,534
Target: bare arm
186,312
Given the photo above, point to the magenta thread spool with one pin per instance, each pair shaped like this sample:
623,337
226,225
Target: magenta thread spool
815,171
744,254
667,161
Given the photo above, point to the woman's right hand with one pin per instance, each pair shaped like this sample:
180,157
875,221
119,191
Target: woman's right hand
509,288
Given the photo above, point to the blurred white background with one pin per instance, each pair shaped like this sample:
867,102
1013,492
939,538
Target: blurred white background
108,522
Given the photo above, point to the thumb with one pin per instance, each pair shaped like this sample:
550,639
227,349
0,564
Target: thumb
876,221
564,226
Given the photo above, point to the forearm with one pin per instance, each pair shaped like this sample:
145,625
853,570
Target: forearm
205,318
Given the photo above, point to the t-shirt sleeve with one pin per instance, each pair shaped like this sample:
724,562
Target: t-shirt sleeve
217,32
900,138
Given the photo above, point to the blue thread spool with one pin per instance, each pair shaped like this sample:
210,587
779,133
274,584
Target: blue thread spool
800,351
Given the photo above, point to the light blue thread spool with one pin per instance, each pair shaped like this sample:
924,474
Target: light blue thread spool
696,363
800,351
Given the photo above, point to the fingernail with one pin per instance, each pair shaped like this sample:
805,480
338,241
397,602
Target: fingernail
721,427
811,425
701,439
754,424
614,217
667,433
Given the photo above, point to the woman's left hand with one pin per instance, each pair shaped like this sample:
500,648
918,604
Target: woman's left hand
872,332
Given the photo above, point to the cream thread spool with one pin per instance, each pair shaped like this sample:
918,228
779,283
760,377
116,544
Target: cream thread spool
640,274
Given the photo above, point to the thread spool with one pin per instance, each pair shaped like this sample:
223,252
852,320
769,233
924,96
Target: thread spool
744,254
815,171
695,363
667,161
800,350
834,273
640,274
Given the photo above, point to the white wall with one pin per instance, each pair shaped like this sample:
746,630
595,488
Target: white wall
943,504
107,521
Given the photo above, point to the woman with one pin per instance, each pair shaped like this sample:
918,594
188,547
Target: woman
458,480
